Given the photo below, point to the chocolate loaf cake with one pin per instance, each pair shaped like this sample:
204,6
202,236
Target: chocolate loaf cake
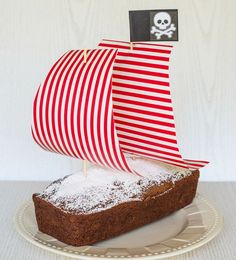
80,210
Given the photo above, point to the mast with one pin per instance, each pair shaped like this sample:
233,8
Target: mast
85,168
133,156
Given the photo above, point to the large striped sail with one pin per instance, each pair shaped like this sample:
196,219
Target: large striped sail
72,111
101,104
142,104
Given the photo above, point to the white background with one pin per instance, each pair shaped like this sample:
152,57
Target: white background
33,34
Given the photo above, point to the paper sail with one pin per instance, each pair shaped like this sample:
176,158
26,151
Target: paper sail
72,112
117,102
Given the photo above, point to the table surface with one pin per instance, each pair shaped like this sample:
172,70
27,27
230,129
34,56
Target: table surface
13,246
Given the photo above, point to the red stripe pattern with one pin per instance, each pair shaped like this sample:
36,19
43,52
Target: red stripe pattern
142,104
72,110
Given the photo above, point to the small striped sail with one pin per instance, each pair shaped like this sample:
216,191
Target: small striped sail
115,103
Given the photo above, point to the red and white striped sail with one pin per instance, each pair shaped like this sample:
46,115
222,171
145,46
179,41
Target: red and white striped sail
116,102
72,110
142,104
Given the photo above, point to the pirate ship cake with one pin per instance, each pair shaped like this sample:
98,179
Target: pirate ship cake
111,106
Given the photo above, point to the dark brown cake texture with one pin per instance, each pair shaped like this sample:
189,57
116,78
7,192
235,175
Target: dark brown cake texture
78,227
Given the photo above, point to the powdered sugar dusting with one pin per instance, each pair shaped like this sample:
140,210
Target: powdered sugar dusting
104,188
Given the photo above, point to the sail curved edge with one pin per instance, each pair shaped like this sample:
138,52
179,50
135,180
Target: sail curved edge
142,104
73,110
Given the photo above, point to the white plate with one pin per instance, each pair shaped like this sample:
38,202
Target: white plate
185,230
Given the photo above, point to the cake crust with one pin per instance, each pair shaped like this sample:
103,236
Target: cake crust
80,229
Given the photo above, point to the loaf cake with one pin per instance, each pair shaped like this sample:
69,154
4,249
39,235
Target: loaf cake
80,210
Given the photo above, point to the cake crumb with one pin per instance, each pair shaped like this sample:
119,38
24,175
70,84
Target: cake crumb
104,188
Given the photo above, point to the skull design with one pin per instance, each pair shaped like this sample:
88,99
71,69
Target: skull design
163,25
162,20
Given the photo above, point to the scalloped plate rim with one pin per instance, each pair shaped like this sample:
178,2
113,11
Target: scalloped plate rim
214,231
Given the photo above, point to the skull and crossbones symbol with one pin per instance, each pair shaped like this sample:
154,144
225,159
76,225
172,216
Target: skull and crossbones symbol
163,25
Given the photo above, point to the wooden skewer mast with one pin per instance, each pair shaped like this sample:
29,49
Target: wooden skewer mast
133,156
85,168
131,46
